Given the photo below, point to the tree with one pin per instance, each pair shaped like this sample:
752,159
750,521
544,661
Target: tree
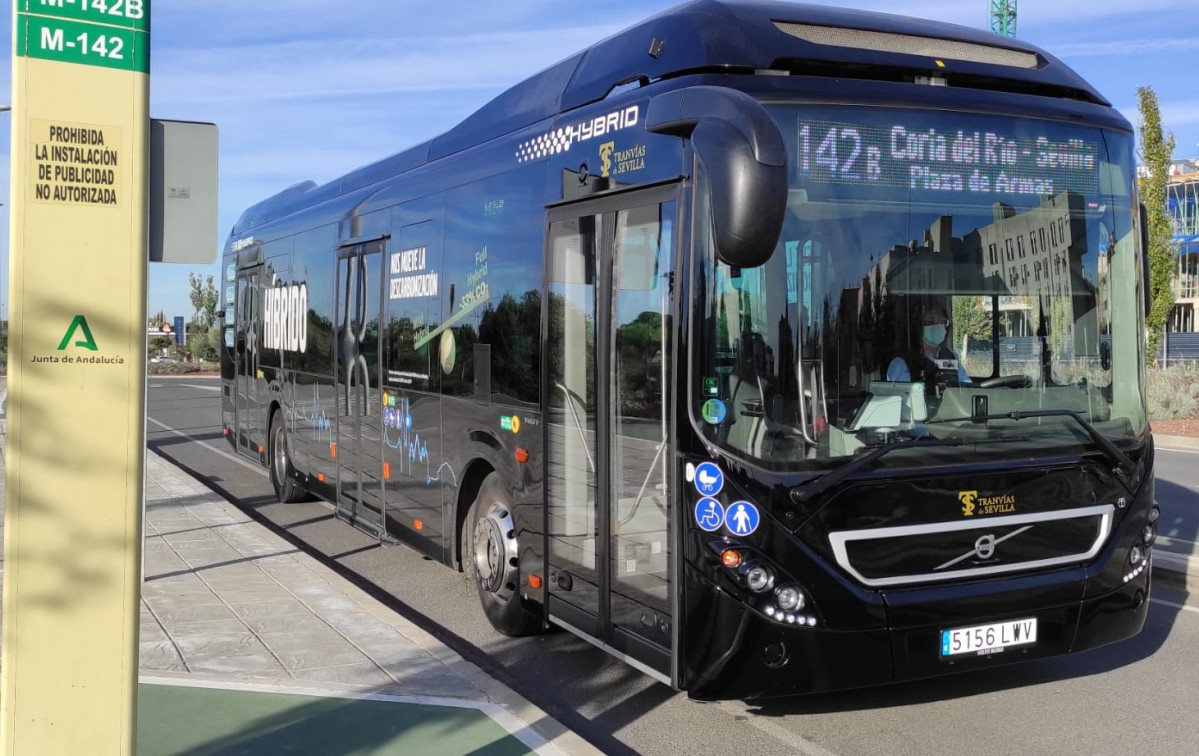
1156,152
972,318
204,299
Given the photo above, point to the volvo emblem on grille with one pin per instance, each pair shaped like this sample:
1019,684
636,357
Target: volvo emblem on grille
984,547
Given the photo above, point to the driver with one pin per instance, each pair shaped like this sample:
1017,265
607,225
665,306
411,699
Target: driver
935,326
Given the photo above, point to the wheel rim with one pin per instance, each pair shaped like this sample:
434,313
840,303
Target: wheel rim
279,454
495,552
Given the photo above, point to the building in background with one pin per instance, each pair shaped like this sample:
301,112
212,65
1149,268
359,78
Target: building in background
1182,198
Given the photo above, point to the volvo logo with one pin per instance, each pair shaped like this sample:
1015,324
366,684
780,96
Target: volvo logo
984,547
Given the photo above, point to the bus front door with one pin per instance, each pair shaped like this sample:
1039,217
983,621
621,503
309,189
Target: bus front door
248,414
358,453
609,444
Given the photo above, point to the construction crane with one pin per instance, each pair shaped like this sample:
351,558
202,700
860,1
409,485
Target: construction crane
1003,17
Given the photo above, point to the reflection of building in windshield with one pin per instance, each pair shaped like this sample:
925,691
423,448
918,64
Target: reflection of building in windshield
1036,257
1031,261
1038,252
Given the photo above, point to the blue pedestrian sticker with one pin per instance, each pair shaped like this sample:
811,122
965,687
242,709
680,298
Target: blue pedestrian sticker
709,514
708,479
742,518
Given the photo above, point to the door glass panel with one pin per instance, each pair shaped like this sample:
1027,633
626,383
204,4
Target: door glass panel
248,434
640,482
571,404
359,443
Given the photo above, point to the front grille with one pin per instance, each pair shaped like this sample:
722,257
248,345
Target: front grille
940,551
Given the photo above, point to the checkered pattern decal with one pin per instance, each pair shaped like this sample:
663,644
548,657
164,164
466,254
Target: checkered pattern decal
553,143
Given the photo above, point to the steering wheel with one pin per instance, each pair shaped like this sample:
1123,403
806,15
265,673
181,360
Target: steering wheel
1007,381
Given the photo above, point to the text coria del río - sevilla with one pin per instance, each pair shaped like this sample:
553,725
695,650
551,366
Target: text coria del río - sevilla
285,318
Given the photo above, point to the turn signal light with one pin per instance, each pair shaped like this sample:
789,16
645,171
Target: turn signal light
418,524
731,558
333,450
522,455
535,581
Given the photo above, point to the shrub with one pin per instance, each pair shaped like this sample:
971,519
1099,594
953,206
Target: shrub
1174,392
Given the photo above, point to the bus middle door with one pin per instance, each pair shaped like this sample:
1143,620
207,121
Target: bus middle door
247,327
609,488
358,288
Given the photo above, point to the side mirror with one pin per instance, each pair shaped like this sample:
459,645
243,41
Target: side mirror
743,159
1105,355
1145,257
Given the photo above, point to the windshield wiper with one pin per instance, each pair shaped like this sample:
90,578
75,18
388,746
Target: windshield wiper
805,491
1124,467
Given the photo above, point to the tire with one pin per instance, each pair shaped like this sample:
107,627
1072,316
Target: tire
490,555
287,490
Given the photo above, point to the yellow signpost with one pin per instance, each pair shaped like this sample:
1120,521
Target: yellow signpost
76,375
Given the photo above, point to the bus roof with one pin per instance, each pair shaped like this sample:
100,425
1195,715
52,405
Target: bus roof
799,39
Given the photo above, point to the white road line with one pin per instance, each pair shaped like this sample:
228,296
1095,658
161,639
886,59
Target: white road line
1184,607
794,741
215,450
1181,451
1172,540
199,386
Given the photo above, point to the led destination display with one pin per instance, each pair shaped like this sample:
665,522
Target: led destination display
1028,158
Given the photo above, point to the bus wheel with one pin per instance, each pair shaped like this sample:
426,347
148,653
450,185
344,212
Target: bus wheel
490,557
286,488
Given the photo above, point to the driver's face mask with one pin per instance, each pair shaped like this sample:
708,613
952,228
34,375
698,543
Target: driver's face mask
934,334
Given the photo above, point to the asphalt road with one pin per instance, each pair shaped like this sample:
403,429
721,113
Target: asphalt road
1177,472
1139,696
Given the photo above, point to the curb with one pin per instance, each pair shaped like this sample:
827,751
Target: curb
1175,442
1176,569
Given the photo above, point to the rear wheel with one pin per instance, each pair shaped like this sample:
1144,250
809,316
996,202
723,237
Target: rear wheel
491,559
282,478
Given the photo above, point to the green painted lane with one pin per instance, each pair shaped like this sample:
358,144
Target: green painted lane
202,721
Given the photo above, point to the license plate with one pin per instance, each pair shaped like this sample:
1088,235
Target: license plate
989,639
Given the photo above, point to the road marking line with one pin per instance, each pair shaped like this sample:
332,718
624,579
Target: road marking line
779,733
244,463
1171,540
1175,449
199,386
1184,607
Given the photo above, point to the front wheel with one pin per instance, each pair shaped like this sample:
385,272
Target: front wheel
287,490
491,559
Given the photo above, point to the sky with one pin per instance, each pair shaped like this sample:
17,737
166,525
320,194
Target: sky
311,89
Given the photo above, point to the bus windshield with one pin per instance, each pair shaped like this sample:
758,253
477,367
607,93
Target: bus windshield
936,271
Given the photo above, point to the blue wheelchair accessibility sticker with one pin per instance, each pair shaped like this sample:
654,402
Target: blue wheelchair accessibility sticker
708,479
709,514
741,518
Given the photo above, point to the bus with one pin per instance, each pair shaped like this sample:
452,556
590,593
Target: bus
770,348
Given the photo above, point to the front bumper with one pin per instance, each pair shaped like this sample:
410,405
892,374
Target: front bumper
771,660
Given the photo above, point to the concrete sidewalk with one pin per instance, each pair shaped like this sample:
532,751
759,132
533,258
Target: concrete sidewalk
249,646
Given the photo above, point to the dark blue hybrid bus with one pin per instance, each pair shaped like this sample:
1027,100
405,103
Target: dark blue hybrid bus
771,348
